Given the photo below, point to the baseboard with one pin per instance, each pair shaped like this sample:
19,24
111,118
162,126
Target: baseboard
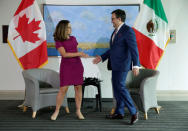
162,95
172,95
12,95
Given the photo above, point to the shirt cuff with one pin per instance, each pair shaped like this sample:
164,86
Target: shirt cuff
136,67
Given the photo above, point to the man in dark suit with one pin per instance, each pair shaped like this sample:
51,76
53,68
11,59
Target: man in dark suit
122,57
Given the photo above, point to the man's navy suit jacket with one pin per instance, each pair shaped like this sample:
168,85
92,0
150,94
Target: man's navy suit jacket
123,52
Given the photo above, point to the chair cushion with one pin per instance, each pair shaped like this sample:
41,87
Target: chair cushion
133,90
49,90
43,84
46,88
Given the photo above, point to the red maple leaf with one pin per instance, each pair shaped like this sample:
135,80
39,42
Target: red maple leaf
26,29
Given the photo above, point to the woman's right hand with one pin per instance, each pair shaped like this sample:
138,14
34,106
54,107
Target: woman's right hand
82,54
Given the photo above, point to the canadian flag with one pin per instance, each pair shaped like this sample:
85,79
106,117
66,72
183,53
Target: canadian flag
27,36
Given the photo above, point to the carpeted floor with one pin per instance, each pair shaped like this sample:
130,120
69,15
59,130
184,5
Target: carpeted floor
173,117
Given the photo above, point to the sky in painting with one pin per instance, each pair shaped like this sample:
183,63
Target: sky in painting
90,24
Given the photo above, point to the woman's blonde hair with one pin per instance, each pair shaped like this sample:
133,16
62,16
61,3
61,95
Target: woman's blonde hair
60,33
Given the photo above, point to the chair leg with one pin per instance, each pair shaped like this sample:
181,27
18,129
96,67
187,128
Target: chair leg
20,106
97,102
83,89
67,110
112,111
99,98
34,114
24,108
157,109
145,116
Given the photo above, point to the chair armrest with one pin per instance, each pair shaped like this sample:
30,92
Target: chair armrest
32,93
30,82
148,90
129,78
148,85
54,79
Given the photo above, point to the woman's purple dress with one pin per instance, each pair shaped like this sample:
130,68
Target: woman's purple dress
71,69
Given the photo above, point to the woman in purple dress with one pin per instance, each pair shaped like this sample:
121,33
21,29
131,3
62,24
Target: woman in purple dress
71,68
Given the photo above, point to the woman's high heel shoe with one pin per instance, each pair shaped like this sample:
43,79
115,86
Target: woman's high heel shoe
80,116
54,116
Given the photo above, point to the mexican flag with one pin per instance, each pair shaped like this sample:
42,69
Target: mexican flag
27,36
152,33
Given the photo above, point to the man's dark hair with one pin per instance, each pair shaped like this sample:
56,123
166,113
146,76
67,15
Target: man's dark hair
120,14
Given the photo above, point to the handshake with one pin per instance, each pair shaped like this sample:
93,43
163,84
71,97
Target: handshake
96,60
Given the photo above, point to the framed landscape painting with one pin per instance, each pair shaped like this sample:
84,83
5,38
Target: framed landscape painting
91,25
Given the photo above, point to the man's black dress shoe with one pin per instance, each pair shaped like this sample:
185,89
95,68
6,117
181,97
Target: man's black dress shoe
134,118
114,116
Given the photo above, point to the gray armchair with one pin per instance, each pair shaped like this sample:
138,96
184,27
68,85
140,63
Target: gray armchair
41,88
143,90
